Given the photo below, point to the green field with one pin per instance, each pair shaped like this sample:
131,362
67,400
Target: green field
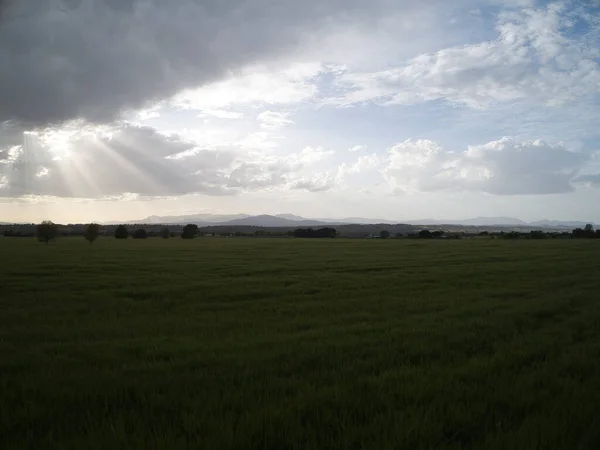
299,344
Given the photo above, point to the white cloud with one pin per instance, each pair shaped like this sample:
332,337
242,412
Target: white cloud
255,85
258,140
316,183
147,114
366,162
221,114
43,172
272,120
503,167
311,155
532,59
110,162
357,148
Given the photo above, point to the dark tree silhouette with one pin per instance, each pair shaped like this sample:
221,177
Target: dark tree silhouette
587,232
121,232
384,234
189,231
140,234
92,232
425,234
46,231
165,233
320,233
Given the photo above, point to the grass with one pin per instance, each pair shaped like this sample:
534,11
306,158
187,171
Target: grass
299,344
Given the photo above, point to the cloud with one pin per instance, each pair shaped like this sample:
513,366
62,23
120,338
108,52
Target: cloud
258,139
11,134
147,114
535,57
94,163
317,183
272,120
221,114
503,167
590,179
310,155
357,148
94,59
366,162
84,161
255,84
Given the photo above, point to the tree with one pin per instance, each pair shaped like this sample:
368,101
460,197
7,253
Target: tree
588,231
425,234
121,232
384,234
46,231
140,234
189,231
537,234
326,232
165,233
92,232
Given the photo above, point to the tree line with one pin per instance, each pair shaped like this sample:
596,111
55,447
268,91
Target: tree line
325,232
48,231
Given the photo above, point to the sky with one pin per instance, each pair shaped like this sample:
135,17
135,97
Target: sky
393,109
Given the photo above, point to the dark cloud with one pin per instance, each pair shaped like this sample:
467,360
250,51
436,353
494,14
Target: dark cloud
10,134
592,179
93,59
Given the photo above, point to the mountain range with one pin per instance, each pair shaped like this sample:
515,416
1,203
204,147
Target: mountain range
292,220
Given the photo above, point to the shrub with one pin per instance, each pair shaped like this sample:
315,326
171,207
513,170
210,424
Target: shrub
121,232
140,234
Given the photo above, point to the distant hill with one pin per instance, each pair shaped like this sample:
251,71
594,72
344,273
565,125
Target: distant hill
198,219
290,217
360,221
293,220
273,221
560,224
477,221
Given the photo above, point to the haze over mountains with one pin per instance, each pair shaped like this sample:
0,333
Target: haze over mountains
292,220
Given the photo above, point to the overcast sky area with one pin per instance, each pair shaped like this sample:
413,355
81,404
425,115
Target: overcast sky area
394,109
